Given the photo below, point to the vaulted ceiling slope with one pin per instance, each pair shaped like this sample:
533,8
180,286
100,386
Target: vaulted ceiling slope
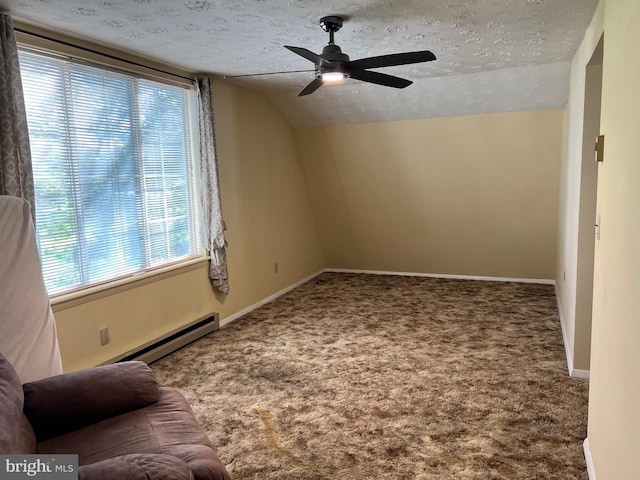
492,55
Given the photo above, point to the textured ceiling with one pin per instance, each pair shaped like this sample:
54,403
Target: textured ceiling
492,55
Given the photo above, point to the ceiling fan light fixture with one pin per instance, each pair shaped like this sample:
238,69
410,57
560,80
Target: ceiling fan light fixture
333,76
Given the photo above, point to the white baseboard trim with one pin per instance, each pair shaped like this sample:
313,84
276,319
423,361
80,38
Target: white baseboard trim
544,281
577,373
573,372
565,339
587,456
250,308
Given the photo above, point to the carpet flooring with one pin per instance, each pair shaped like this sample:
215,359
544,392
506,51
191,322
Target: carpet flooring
359,377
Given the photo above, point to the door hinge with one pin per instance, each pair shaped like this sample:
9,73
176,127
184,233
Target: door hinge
600,148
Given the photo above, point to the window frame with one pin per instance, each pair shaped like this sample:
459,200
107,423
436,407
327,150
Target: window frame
42,42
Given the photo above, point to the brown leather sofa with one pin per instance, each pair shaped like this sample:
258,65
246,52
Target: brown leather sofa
115,418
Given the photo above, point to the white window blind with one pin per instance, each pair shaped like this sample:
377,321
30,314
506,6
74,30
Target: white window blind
113,172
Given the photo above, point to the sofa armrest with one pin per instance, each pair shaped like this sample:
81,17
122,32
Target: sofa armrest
63,403
146,466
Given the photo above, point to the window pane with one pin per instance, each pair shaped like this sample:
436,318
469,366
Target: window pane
113,171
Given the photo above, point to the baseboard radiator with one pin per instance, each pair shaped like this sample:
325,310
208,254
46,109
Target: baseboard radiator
173,341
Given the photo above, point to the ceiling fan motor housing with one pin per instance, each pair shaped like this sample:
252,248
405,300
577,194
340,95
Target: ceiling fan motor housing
334,55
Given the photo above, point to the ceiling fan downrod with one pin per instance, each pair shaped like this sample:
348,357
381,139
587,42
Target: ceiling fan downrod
331,24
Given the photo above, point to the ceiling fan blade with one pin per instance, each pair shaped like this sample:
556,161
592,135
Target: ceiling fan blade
309,55
380,78
391,60
312,87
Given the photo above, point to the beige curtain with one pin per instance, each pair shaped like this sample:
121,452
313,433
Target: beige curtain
210,189
16,176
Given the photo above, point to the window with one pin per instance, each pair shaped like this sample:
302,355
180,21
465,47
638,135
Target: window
113,171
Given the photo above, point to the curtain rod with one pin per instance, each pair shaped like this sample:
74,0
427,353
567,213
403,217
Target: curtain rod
96,52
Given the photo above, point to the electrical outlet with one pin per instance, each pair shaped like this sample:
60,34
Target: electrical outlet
104,336
275,267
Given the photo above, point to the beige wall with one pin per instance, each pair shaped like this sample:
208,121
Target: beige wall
135,314
614,417
473,195
269,220
264,198
577,189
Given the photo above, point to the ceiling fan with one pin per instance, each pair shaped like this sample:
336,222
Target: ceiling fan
332,65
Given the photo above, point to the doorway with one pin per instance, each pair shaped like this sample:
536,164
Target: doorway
587,211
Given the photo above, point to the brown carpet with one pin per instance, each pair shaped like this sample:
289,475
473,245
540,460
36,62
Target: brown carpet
360,377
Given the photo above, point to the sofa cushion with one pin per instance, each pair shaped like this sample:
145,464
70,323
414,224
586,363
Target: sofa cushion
137,467
63,403
25,440
166,427
16,435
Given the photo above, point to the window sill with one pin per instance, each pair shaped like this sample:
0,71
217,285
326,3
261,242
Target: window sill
78,297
